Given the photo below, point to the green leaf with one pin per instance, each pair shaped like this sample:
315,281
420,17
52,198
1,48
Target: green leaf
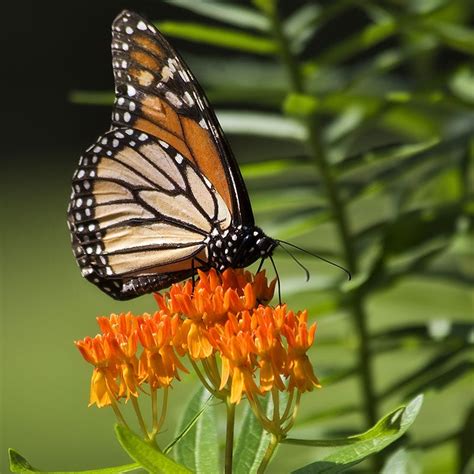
19,464
466,436
364,39
252,443
147,456
300,26
462,83
400,462
357,448
83,97
220,37
226,12
262,124
454,35
300,105
198,449
427,374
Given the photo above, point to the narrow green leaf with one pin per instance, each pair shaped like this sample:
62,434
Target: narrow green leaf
83,97
387,152
252,443
400,462
147,456
364,39
356,448
300,26
226,12
220,37
456,36
466,435
300,105
198,449
262,124
446,378
423,376
462,83
19,464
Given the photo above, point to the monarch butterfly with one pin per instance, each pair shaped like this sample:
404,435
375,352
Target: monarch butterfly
160,194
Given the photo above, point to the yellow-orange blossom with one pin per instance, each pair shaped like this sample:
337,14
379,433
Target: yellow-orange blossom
260,347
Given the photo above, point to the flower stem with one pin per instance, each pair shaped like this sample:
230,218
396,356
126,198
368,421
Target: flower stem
318,154
141,421
268,454
229,436
164,409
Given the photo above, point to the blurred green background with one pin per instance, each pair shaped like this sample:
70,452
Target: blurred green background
381,94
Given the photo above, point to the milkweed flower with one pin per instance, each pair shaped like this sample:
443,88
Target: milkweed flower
238,344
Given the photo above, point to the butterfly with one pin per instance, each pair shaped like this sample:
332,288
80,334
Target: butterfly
160,194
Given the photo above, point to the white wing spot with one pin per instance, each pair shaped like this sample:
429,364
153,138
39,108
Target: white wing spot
132,106
125,46
203,124
127,117
129,131
179,158
141,26
115,143
163,144
131,91
97,149
173,98
81,173
129,30
143,137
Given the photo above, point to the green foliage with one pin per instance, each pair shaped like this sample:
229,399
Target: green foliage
19,464
197,448
147,455
356,448
359,148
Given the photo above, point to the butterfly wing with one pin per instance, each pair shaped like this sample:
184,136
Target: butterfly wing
140,213
147,194
157,93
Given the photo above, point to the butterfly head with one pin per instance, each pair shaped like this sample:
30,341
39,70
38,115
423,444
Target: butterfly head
238,247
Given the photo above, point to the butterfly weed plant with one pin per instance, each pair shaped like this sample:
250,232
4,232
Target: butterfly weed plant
360,116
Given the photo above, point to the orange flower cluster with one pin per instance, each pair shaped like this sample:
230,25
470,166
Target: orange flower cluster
118,371
244,346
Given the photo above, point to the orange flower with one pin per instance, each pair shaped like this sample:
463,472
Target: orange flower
123,328
158,362
102,352
300,338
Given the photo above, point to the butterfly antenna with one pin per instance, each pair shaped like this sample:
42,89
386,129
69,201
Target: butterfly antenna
278,279
348,273
297,262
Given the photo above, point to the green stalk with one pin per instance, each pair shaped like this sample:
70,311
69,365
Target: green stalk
229,436
268,454
318,154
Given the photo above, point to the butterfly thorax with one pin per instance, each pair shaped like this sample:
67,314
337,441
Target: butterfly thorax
238,246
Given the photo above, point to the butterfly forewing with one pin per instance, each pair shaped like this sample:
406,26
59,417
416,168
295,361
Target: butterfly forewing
157,93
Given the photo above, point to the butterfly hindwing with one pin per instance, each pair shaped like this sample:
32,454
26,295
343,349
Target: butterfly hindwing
157,93
140,209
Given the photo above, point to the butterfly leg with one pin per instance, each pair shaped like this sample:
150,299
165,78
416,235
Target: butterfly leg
278,279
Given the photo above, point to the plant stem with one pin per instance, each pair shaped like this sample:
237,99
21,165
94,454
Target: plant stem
268,454
141,421
229,436
318,154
